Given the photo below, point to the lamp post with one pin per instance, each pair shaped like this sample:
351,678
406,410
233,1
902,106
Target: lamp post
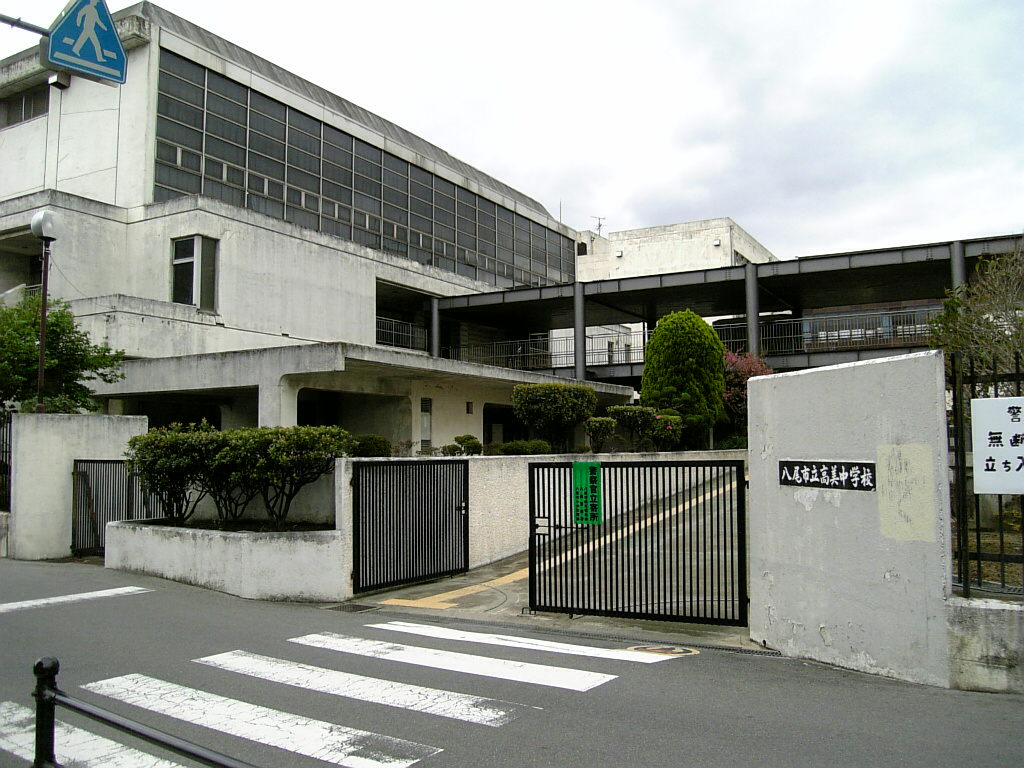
45,227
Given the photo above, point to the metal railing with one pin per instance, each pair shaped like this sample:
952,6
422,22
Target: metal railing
988,535
831,333
398,333
835,333
104,491
48,697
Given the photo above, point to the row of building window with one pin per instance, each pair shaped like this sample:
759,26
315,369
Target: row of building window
219,138
24,106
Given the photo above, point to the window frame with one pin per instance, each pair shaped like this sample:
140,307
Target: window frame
203,258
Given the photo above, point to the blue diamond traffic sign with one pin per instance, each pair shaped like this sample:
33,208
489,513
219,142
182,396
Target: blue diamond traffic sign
84,40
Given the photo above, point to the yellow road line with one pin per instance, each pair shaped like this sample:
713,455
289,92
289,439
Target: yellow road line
443,600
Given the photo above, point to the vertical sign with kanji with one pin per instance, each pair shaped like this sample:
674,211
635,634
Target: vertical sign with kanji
997,432
587,508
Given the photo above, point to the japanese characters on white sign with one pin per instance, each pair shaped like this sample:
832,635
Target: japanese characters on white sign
997,433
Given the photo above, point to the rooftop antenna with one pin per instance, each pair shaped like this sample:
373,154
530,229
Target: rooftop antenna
600,221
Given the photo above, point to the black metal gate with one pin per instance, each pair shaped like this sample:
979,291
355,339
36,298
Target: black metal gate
5,459
104,491
671,544
410,521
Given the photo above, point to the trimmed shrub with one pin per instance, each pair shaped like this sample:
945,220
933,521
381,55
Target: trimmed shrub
524,448
553,410
469,444
635,422
169,461
599,429
451,449
684,369
666,432
224,475
368,446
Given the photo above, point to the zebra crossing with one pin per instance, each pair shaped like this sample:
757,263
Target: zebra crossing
329,742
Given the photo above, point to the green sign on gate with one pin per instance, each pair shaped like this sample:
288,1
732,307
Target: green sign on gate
586,493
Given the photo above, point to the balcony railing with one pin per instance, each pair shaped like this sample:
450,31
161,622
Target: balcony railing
832,333
398,333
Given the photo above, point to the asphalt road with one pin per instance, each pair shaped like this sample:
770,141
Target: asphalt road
715,708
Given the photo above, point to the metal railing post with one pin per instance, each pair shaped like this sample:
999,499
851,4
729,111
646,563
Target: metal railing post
45,670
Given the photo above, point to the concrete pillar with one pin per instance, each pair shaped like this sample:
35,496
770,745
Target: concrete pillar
579,331
753,309
278,402
435,327
957,266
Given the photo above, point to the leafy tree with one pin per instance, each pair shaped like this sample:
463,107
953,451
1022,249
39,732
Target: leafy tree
553,409
985,318
71,359
738,369
684,371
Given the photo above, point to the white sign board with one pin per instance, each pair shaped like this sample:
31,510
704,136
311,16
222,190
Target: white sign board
997,432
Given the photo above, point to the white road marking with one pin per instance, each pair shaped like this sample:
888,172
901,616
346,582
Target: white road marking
313,738
73,746
538,674
511,641
458,706
61,599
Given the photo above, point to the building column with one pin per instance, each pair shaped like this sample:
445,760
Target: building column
278,402
435,327
957,265
753,307
579,331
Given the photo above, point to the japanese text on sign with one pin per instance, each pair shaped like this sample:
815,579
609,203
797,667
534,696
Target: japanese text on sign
838,475
586,491
997,433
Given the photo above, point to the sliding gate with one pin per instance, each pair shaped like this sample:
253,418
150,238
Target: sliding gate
651,540
410,521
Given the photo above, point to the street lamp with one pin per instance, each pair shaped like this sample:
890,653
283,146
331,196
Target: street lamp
45,227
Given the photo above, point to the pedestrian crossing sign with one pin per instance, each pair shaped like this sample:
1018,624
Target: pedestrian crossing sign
84,40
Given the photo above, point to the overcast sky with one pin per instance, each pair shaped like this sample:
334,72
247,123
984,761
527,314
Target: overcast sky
818,127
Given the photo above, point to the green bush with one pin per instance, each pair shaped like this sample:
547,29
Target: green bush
553,410
469,444
224,474
169,461
635,423
451,449
524,448
684,370
599,429
368,446
666,432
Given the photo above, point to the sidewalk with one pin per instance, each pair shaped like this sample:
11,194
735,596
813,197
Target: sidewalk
499,593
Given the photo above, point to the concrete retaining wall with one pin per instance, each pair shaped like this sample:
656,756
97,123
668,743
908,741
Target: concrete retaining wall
986,645
314,566
43,450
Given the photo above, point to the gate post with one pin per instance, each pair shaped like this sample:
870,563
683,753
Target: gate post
45,671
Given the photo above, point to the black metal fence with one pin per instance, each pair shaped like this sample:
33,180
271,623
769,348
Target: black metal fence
988,537
48,697
410,521
671,543
6,424
104,491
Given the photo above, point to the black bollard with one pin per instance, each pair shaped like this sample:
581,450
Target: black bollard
45,670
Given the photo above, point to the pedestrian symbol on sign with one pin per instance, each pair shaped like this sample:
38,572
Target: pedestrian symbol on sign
85,41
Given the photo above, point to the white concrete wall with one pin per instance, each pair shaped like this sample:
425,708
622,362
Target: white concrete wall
847,577
43,450
986,645
23,157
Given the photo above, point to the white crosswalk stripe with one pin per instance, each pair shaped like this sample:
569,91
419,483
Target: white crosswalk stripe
519,671
326,741
512,641
313,738
458,706
73,746
75,598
